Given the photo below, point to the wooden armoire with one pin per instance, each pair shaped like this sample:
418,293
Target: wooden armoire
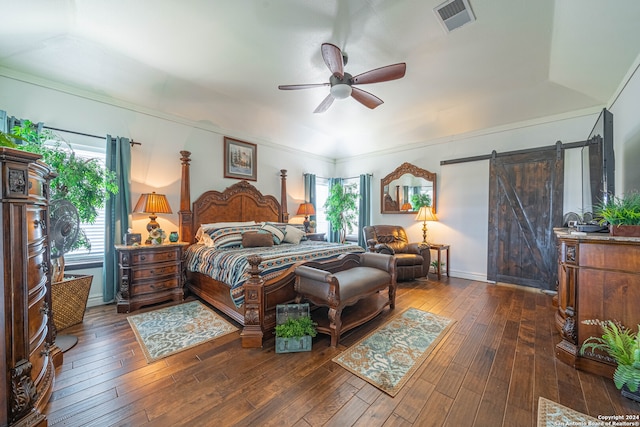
27,349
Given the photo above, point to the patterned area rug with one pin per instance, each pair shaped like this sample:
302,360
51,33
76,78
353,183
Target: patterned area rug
170,330
388,356
552,414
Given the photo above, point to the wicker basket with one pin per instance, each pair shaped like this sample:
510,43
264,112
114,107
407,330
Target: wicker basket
69,300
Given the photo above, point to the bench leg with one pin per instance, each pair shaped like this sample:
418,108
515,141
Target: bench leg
392,297
335,323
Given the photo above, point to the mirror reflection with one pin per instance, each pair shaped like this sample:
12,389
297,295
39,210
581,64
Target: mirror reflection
407,188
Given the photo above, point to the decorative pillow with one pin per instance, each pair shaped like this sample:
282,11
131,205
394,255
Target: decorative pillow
256,239
293,235
278,234
228,237
216,225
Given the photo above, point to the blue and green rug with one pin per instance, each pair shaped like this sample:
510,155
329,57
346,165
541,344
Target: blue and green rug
388,356
170,330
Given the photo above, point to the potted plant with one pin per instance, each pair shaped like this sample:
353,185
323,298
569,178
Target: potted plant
83,182
621,213
312,226
419,200
622,345
341,208
294,328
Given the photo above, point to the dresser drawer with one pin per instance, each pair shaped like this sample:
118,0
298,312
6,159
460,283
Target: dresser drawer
36,223
152,287
154,271
147,257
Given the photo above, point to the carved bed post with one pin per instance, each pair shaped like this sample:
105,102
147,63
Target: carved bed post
284,215
185,216
253,306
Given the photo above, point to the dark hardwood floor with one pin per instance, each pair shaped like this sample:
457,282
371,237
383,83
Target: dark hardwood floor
489,371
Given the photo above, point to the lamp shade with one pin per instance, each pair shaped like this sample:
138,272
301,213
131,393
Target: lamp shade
153,203
426,214
406,207
306,209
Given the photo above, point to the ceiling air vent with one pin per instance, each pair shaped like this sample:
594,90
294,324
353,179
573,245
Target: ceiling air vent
454,14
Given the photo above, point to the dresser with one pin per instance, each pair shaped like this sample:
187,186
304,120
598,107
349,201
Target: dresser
27,348
598,278
149,274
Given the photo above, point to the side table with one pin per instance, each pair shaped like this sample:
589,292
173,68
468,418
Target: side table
149,274
439,247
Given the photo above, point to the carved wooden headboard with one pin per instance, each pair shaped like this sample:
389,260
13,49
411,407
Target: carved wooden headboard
239,202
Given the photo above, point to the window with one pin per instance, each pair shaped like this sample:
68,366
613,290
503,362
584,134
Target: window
89,148
322,192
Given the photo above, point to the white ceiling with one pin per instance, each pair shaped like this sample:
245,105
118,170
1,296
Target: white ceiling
219,62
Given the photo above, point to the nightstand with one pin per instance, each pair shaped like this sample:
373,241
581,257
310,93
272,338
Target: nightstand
439,247
316,236
149,274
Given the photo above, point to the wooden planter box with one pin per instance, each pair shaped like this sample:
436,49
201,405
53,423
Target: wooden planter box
625,230
291,345
69,300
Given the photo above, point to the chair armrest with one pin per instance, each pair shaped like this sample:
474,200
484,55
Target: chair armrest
423,250
313,273
383,262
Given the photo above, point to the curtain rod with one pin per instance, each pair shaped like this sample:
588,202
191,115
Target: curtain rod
349,177
132,142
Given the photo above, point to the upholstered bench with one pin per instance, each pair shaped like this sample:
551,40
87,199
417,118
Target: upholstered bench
350,296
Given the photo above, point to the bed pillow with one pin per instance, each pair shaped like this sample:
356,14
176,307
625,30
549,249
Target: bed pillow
278,234
229,237
216,225
257,239
293,235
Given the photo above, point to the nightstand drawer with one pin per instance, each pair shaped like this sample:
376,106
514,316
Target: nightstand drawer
170,254
154,286
154,271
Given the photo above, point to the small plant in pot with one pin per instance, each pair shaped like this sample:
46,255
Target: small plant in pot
295,334
419,200
622,345
621,213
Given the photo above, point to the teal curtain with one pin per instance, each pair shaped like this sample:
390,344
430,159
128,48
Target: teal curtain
117,209
364,215
333,236
3,121
310,192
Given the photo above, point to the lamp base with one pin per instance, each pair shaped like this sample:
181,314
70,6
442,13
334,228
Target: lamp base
306,224
153,224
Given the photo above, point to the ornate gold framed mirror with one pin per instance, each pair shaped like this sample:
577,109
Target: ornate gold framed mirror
401,190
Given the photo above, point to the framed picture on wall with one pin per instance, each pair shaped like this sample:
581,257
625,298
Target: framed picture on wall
240,159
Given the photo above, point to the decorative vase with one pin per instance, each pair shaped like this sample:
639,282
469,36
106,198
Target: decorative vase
173,236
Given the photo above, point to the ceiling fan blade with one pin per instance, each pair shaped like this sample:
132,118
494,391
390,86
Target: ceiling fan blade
326,103
333,58
365,98
383,74
306,86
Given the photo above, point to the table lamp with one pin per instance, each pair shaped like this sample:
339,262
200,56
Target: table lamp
306,209
153,204
425,214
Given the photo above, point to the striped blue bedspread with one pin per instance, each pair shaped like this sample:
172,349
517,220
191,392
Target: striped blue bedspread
230,265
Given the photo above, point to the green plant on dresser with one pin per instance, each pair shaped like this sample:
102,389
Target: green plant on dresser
623,345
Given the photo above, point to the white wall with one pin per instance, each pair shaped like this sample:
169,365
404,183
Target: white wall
156,163
463,188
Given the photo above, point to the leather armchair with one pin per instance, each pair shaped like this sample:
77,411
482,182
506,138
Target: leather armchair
414,259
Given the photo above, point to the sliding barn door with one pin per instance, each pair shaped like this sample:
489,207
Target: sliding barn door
525,203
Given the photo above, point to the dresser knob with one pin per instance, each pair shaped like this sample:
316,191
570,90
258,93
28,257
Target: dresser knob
142,257
45,267
44,310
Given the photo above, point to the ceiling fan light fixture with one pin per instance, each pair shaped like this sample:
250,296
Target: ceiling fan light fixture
341,91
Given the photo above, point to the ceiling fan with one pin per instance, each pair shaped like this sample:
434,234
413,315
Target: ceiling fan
342,84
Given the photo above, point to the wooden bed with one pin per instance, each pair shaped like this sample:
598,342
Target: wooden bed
239,202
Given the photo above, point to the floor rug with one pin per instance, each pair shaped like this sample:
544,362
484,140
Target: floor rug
388,356
552,414
170,330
